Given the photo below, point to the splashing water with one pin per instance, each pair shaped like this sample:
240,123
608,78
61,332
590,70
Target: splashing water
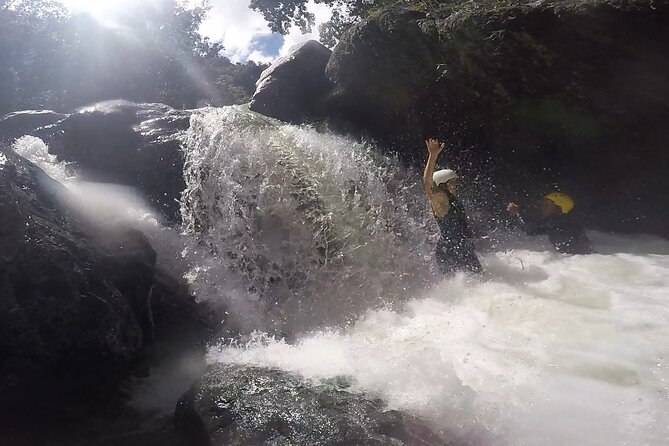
105,205
545,349
37,152
314,227
296,229
563,350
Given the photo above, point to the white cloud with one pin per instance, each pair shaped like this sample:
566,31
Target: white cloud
236,26
241,30
259,57
322,14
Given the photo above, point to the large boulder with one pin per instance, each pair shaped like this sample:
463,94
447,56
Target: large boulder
237,405
132,144
61,307
293,87
27,122
381,71
79,306
530,96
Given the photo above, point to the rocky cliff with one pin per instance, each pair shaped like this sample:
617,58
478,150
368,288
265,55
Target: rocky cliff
542,95
81,307
528,96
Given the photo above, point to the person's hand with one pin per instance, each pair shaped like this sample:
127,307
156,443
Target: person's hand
434,146
513,209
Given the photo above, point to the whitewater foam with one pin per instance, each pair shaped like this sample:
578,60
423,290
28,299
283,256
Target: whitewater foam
546,350
309,225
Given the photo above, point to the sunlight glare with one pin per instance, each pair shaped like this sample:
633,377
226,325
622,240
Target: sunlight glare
99,9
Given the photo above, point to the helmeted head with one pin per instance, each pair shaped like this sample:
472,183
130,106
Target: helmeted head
446,178
563,202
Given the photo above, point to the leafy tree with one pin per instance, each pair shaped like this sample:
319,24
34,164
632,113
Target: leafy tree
282,14
52,59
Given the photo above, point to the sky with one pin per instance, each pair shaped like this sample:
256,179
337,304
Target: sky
243,32
245,35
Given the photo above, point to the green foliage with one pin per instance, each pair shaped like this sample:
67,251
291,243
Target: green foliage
282,14
153,52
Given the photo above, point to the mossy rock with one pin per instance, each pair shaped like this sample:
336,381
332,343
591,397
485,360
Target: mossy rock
241,405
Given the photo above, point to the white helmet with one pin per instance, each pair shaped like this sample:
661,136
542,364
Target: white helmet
442,176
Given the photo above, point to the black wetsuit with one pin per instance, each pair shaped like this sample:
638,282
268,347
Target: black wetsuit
564,234
454,250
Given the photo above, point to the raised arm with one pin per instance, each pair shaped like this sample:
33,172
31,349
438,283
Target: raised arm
441,206
434,148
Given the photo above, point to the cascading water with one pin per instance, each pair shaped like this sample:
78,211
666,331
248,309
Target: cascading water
314,227
547,350
544,349
295,229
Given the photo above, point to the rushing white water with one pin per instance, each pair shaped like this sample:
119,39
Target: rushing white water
547,350
543,349
297,227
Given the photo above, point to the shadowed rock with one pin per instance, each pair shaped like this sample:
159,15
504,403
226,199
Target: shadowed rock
241,405
80,308
61,307
533,96
27,122
292,88
125,143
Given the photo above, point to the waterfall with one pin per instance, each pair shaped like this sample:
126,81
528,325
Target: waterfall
546,349
297,230
313,227
308,230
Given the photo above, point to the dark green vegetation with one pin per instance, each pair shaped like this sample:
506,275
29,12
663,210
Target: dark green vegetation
153,53
281,15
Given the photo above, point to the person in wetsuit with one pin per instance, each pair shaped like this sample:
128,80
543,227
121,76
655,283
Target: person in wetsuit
455,251
565,234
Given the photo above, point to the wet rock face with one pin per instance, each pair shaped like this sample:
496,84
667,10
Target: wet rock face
532,95
241,405
28,122
381,71
125,143
79,306
293,86
64,302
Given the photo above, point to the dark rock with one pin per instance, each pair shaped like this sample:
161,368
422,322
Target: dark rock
531,96
177,321
60,305
382,70
132,144
241,405
28,122
80,307
294,85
